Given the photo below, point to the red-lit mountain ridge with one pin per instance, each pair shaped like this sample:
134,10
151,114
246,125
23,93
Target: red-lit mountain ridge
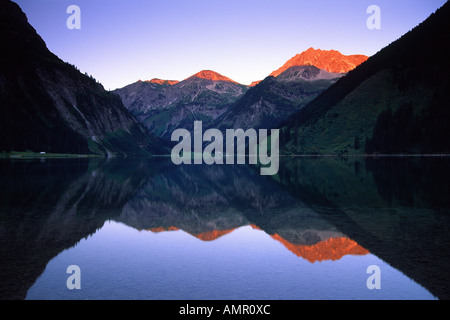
329,60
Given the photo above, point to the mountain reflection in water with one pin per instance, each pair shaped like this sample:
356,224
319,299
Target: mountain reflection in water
322,212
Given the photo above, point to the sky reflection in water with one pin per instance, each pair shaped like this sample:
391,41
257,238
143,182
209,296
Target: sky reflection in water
119,262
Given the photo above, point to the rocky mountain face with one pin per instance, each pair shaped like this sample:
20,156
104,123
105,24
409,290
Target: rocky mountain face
164,107
307,73
329,60
394,103
273,100
166,82
287,90
222,103
47,105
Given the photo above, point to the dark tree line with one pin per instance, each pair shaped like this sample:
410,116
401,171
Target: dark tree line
405,131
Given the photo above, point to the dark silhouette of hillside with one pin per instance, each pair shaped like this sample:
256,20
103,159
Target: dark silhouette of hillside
395,102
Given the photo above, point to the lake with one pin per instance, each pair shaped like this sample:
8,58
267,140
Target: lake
148,229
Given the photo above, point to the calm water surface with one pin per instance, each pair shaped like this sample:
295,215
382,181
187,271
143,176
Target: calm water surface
147,229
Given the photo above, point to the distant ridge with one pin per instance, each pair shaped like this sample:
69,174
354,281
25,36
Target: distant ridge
254,83
163,105
162,82
325,250
331,249
211,75
329,60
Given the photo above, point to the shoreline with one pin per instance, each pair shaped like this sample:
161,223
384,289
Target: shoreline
32,155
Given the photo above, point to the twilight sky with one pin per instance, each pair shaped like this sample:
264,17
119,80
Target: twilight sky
122,41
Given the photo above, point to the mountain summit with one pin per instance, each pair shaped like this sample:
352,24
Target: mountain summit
329,60
211,75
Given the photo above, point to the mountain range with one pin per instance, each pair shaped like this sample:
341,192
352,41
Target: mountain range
218,101
163,106
323,101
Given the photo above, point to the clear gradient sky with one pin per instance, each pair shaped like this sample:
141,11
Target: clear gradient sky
122,41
